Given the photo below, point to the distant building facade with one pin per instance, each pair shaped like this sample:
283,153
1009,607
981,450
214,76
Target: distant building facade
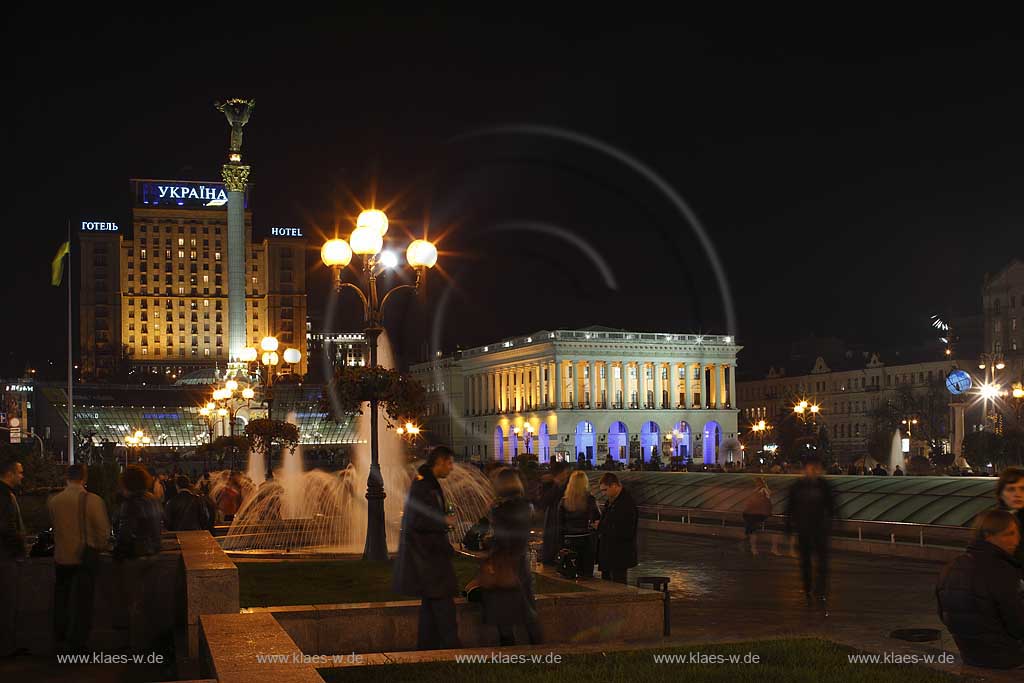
156,299
596,392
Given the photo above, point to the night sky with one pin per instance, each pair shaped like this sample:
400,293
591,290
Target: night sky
852,179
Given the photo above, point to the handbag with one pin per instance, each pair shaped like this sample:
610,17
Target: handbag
90,555
497,572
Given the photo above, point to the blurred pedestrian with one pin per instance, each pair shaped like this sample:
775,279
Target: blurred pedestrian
136,549
424,564
506,578
12,555
186,511
577,515
978,595
758,508
81,530
897,472
809,511
552,490
229,499
617,530
1010,497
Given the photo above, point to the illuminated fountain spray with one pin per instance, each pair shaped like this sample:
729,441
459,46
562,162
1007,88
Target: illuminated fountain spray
326,512
896,456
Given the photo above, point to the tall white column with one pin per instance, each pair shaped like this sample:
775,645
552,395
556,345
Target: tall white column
609,383
701,386
719,384
595,381
687,396
673,384
541,384
559,381
656,368
628,381
732,386
641,380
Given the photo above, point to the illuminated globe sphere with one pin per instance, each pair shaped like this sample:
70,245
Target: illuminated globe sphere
958,382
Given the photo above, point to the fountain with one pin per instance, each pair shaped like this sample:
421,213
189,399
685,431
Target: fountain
325,512
896,456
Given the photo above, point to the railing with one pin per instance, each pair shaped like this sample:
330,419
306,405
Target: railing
861,530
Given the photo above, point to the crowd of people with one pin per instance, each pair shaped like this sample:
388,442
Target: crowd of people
577,533
145,505
979,593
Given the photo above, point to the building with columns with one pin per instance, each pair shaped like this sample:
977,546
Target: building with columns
598,391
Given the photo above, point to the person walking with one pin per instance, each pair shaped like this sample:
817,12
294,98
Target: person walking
136,548
757,509
809,510
229,499
616,531
552,491
424,564
12,555
978,596
186,511
506,578
81,530
1010,497
577,512
897,472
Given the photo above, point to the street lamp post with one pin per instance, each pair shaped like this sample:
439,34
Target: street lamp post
990,363
367,240
808,412
760,428
271,359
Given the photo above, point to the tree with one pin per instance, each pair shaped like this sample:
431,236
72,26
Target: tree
930,407
403,398
982,448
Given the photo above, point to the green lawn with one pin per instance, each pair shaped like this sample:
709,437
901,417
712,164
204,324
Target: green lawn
319,582
798,660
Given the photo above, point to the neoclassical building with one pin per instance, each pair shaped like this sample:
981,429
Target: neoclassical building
596,391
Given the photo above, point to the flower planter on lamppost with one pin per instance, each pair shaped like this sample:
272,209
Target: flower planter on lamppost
367,240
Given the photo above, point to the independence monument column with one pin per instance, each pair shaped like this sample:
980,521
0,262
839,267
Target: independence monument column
235,176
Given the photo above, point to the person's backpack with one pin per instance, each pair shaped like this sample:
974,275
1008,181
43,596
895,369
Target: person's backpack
568,563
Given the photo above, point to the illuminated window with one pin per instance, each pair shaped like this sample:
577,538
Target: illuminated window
181,241
216,255
206,302
142,253
181,290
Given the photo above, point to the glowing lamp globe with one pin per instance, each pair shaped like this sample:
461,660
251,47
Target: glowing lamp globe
270,358
292,355
204,411
366,240
336,252
222,411
989,391
373,218
248,393
231,385
421,254
958,382
388,259
1018,392
268,344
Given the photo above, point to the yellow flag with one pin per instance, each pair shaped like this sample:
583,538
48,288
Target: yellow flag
58,263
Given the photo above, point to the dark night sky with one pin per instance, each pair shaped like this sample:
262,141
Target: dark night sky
852,183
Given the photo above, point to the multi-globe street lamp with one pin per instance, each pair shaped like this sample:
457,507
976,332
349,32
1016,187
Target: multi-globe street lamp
135,441
760,428
808,413
367,240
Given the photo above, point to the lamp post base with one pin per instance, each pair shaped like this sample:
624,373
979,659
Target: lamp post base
376,548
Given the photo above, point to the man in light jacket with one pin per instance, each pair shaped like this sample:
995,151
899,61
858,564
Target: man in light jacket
79,518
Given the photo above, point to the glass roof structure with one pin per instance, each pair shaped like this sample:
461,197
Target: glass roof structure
946,501
170,415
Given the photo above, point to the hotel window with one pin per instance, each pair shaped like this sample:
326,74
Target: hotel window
193,244
216,255
142,254
181,242
181,290
192,254
206,352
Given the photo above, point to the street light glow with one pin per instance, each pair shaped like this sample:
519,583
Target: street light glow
389,259
248,393
268,344
373,218
421,254
366,240
335,252
989,391
292,355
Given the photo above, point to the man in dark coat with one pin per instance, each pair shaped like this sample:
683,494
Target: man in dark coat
809,510
185,511
12,554
616,531
424,565
979,598
551,495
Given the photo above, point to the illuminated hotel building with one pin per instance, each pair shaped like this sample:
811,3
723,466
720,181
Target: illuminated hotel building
157,299
596,391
